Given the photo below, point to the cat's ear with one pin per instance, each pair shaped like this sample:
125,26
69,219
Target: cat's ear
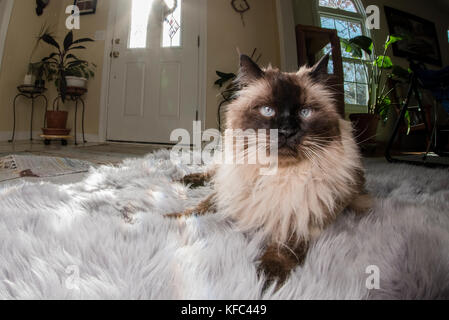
320,70
249,70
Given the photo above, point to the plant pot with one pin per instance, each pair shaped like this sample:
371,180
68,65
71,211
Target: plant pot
39,84
365,127
28,80
76,82
57,119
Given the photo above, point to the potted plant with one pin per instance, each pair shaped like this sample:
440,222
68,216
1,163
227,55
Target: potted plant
78,75
39,71
61,65
377,72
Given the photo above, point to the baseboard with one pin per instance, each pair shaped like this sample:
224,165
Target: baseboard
25,136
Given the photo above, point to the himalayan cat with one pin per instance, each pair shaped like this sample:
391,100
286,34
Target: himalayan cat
319,172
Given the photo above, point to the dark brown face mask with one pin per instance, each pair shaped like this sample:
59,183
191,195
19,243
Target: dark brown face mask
273,100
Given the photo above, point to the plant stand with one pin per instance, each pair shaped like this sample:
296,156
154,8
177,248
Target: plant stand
32,93
49,138
74,94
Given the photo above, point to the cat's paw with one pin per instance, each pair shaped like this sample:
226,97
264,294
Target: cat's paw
362,204
179,215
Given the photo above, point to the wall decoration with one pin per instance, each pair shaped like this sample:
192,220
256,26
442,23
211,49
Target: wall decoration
40,6
420,37
241,7
169,18
86,6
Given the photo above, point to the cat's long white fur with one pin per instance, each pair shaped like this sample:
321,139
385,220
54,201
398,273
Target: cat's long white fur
292,197
301,198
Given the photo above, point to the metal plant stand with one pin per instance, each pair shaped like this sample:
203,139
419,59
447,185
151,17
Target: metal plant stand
33,93
76,95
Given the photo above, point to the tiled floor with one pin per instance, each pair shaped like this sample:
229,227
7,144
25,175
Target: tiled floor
97,154
105,153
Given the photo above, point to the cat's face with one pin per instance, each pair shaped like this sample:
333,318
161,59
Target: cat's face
299,105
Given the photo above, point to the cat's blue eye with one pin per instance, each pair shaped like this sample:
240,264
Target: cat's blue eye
305,113
267,111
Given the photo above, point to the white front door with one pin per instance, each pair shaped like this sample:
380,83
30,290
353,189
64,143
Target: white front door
153,87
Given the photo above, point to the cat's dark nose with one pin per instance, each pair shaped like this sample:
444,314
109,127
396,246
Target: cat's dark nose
287,133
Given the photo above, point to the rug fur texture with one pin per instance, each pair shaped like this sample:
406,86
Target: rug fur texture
106,238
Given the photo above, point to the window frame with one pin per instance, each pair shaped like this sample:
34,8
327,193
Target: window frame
357,17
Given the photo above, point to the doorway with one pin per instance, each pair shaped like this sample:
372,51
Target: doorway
5,15
154,81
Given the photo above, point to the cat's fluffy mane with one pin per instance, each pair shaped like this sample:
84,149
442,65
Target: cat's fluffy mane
301,199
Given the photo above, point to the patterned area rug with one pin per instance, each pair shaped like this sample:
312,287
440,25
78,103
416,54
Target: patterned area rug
19,166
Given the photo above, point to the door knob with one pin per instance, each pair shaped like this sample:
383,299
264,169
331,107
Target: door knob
115,54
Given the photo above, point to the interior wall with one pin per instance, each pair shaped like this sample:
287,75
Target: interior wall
90,24
225,33
23,29
5,15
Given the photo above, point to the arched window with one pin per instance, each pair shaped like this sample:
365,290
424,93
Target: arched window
348,18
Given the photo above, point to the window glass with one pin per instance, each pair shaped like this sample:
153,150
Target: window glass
355,78
346,5
140,14
171,33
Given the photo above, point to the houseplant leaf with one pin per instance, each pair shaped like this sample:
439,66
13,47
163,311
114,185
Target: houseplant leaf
362,42
72,56
50,57
400,72
62,85
408,121
383,62
352,48
82,40
47,38
393,39
78,47
68,40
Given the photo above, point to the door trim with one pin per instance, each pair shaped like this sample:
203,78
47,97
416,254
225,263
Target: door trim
4,27
107,64
287,36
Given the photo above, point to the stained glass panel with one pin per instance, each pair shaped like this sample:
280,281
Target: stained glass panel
346,5
171,33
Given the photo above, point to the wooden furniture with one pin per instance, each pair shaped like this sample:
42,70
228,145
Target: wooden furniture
310,42
32,93
75,94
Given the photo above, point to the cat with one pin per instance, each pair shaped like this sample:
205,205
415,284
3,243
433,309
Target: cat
319,173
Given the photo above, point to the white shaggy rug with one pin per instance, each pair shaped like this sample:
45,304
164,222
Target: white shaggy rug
105,238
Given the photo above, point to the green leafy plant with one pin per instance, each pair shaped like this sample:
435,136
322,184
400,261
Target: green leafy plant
40,70
63,62
378,70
